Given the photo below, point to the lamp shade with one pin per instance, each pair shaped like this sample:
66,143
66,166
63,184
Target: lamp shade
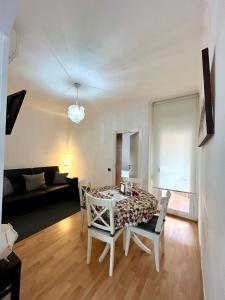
76,113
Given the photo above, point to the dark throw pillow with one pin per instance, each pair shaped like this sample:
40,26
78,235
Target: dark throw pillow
34,182
7,187
60,178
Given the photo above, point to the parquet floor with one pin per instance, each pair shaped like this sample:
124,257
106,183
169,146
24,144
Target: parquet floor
54,266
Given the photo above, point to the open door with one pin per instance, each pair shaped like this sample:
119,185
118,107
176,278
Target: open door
134,145
127,154
119,137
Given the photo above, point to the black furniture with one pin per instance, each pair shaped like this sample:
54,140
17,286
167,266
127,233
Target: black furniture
10,277
21,202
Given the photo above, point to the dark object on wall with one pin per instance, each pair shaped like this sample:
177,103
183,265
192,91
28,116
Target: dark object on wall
10,277
206,126
21,202
14,103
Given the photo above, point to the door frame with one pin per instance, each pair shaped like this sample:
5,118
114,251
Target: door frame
139,131
193,210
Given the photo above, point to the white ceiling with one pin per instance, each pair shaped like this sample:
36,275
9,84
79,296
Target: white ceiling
133,50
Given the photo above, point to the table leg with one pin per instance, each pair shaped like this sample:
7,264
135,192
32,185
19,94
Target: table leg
15,288
139,243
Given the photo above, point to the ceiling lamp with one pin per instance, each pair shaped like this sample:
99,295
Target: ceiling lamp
76,113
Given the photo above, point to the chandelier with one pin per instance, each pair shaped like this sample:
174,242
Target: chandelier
76,113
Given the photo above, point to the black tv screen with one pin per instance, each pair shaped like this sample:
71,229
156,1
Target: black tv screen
14,103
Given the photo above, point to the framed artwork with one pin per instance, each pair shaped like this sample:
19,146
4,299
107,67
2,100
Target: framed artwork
206,124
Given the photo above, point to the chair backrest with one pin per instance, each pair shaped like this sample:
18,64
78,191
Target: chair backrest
100,213
83,185
163,211
133,181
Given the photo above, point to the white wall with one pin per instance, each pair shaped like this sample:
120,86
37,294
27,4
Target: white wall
212,172
93,142
7,15
4,46
39,138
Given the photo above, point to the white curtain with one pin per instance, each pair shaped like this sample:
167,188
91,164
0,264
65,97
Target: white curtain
175,144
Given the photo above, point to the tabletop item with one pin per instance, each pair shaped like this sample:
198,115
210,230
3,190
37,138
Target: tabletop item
113,194
123,188
134,209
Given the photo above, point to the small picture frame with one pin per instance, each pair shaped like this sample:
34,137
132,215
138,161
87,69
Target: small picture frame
122,188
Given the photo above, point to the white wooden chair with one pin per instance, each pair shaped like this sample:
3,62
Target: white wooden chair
83,185
100,228
153,230
133,181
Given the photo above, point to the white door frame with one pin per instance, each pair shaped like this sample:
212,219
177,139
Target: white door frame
193,210
139,131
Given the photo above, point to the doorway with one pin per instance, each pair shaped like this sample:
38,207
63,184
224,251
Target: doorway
127,155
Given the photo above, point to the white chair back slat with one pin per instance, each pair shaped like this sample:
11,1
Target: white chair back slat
96,208
163,211
83,184
133,181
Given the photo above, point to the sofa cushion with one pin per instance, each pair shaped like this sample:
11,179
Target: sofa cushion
57,187
49,173
27,195
34,182
7,187
60,178
16,178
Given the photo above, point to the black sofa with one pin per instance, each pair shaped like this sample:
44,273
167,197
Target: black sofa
21,202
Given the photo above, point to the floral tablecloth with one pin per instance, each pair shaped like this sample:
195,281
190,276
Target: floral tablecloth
132,210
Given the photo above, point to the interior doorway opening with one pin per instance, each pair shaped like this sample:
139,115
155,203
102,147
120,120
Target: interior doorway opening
127,155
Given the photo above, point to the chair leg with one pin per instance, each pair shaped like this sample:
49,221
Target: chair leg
156,252
139,243
128,236
124,238
104,253
112,254
163,241
89,248
81,220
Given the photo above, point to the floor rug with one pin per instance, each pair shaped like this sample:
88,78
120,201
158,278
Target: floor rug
37,220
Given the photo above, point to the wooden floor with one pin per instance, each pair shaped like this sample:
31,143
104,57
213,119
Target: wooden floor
54,266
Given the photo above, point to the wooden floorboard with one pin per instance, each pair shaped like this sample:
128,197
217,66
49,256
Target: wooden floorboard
54,266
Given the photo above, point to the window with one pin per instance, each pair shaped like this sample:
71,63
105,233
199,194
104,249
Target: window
174,144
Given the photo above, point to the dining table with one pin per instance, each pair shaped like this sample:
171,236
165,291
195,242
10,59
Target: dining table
129,210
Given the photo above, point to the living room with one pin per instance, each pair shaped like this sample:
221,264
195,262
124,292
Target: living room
133,67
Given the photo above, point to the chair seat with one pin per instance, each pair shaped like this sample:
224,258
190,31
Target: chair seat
151,225
107,233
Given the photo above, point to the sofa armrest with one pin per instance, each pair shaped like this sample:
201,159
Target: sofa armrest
72,181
